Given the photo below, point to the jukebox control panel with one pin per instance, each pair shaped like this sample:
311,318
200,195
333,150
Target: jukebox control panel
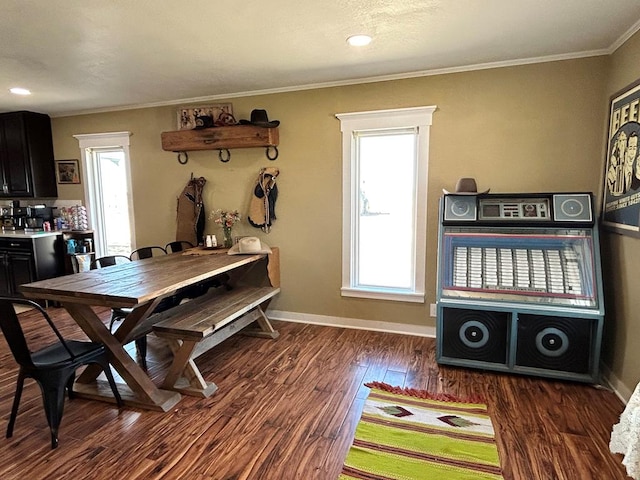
519,284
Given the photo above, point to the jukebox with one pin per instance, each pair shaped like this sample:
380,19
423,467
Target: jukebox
520,284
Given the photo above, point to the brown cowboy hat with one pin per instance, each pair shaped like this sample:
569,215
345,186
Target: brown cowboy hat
466,186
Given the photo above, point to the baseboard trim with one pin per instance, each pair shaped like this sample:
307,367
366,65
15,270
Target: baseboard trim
620,389
355,323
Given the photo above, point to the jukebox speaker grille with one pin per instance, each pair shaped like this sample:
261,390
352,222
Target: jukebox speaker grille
475,335
556,343
574,207
457,207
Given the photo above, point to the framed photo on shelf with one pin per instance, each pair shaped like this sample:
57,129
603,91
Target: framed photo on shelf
202,116
68,171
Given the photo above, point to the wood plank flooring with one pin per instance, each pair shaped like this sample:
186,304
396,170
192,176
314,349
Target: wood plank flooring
286,409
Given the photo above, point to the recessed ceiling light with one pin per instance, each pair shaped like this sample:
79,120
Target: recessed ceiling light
20,91
359,40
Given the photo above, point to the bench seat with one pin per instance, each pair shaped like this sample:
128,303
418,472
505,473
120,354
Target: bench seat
196,326
197,319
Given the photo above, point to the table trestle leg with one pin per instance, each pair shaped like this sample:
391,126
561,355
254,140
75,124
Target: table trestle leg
144,391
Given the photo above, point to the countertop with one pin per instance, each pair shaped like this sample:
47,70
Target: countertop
22,234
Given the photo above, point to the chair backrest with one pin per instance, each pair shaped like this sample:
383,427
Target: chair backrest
177,246
108,261
13,333
147,252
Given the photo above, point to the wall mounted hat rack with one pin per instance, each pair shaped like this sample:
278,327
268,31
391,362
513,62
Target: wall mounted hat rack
222,139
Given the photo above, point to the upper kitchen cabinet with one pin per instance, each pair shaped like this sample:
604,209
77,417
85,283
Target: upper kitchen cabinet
27,167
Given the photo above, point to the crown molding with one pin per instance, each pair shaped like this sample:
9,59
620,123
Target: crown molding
362,80
624,37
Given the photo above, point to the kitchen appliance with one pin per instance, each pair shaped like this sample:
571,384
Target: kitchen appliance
13,217
36,216
6,216
30,218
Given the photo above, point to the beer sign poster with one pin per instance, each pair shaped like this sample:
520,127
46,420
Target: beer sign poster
621,205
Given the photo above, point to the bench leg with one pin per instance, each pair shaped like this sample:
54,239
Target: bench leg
266,330
183,375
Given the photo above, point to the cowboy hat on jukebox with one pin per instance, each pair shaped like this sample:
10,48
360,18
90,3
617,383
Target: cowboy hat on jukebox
466,186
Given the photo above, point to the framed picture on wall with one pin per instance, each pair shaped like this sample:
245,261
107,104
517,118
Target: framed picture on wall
68,171
621,203
204,116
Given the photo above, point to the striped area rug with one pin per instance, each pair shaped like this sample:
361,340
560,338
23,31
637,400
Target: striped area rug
407,434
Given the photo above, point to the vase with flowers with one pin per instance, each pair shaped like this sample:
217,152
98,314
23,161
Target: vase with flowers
226,219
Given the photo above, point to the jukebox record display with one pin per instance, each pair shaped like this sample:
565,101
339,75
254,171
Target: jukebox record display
520,285
554,267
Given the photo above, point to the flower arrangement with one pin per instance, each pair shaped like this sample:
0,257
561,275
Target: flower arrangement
226,219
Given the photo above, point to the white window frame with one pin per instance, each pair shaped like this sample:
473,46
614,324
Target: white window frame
90,141
416,117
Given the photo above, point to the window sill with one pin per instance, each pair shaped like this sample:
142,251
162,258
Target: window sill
413,297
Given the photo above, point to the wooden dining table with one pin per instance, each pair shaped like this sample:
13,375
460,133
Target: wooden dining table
140,285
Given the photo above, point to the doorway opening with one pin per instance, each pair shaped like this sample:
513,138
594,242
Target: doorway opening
110,184
107,181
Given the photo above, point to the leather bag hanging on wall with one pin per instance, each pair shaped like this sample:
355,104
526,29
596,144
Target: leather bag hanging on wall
190,217
262,209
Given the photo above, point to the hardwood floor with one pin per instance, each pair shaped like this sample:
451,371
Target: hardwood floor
287,409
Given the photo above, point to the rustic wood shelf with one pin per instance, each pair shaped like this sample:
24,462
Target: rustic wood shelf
220,138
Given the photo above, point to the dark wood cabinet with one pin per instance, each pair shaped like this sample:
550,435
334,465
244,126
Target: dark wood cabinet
27,167
20,269
26,260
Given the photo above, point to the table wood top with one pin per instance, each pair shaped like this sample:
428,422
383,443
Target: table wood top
134,283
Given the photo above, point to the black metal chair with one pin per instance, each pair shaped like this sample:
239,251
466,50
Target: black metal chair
53,367
108,261
178,246
147,252
118,314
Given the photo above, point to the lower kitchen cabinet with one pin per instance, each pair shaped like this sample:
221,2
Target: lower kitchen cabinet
25,260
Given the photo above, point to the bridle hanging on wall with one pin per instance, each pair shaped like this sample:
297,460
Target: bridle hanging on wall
263,200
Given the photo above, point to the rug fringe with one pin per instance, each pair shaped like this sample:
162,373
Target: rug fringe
412,392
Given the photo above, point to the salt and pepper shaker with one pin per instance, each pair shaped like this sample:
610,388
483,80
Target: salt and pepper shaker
210,241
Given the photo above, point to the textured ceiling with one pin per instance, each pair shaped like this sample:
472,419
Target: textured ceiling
89,55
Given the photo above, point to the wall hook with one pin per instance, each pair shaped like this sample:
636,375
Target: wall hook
275,150
181,160
226,158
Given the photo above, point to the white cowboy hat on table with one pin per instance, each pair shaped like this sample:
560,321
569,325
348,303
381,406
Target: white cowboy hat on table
249,246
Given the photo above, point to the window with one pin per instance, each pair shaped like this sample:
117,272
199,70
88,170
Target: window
385,158
105,158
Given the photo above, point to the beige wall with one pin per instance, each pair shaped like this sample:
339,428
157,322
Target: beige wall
520,129
622,289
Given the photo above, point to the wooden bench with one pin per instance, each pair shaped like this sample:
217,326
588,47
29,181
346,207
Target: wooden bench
198,325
